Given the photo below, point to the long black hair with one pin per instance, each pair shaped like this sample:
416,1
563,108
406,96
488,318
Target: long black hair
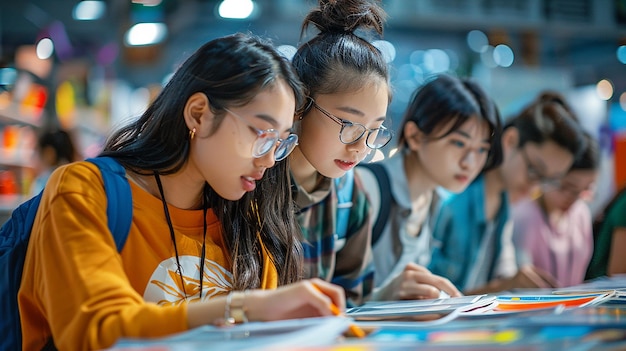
447,98
230,71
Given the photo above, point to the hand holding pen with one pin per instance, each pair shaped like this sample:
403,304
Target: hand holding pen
354,329
306,298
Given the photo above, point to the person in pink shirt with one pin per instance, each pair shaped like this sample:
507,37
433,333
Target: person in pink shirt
554,231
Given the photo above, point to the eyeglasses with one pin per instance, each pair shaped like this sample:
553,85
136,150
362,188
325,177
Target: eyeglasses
569,189
572,191
267,139
351,132
534,175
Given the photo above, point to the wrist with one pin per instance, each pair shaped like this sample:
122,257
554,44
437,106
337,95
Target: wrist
254,305
236,308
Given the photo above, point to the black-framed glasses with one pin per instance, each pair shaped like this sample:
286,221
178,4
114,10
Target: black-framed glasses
351,132
266,139
534,175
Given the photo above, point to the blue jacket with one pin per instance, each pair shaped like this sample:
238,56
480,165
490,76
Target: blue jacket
458,234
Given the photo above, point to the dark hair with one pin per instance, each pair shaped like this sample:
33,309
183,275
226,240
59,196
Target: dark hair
61,142
231,71
447,98
589,158
336,59
547,118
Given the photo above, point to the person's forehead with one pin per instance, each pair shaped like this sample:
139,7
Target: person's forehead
548,153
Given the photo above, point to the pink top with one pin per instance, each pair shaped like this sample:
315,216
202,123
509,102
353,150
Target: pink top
562,248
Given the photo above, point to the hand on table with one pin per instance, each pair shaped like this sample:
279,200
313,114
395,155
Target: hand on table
417,282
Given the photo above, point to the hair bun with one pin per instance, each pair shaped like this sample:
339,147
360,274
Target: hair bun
346,16
548,99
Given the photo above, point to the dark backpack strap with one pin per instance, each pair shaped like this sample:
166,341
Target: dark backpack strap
384,187
119,198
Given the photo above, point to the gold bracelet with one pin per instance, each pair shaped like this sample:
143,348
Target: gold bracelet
235,310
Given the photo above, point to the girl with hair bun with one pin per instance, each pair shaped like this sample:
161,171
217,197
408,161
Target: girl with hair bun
348,91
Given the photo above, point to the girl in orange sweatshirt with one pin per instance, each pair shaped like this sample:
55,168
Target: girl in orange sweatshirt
212,214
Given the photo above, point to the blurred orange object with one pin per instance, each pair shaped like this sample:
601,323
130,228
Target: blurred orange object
8,183
10,135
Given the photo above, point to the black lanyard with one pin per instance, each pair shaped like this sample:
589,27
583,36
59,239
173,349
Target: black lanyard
173,236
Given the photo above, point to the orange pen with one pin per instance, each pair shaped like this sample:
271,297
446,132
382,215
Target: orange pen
354,329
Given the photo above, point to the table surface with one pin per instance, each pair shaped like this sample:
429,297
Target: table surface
597,327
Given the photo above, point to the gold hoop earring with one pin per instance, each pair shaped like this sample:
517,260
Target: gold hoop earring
192,133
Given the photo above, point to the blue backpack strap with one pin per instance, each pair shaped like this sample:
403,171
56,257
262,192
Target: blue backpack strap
14,236
119,198
344,186
384,187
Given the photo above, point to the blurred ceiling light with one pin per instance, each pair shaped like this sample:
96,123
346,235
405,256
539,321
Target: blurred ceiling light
148,2
604,89
146,34
89,10
622,101
477,40
45,48
436,61
503,55
236,9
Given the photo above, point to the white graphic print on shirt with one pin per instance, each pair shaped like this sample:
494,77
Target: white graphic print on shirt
165,287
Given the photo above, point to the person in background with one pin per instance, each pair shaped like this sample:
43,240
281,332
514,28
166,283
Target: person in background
213,235
609,237
553,232
450,133
472,238
54,148
347,80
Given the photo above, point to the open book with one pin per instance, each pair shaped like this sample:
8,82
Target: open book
420,310
438,311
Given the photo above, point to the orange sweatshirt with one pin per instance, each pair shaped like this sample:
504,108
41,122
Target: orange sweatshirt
77,287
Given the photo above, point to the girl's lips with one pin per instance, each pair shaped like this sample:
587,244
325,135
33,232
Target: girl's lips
461,178
248,183
346,166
